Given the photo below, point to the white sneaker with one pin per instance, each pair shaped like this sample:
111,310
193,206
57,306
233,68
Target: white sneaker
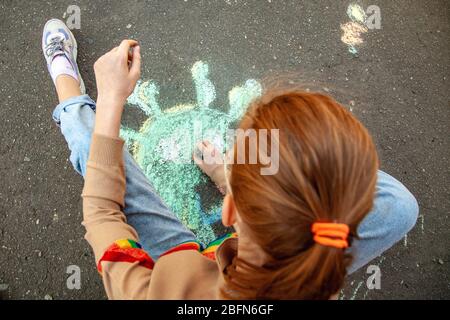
57,39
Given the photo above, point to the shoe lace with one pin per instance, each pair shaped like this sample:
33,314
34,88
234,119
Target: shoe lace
56,44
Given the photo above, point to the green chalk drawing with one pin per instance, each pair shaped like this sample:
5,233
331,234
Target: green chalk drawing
164,144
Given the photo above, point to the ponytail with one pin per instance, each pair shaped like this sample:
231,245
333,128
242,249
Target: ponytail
304,216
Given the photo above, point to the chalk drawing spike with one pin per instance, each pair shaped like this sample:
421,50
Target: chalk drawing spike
129,135
149,94
133,99
145,96
240,98
206,92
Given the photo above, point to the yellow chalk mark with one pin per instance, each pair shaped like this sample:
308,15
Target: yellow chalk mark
180,108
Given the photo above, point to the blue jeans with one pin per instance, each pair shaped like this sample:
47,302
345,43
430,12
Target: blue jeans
394,214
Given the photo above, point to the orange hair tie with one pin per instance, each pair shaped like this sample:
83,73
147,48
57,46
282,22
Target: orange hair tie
331,234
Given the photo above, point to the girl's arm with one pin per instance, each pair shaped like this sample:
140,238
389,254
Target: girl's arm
125,267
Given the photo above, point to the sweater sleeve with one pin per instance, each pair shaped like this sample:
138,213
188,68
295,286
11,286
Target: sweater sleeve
114,242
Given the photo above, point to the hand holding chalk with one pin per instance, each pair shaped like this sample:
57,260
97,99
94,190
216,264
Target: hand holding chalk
117,71
116,74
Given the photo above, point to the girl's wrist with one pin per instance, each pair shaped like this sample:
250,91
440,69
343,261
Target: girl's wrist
107,128
108,117
110,102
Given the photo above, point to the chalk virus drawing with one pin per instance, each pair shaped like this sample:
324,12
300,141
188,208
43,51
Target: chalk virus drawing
361,22
354,29
164,144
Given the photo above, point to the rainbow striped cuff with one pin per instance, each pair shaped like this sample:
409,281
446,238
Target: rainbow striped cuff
126,251
190,245
209,252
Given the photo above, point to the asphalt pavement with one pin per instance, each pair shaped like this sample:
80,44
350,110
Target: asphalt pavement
395,80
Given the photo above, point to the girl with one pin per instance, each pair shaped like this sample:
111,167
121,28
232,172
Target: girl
299,232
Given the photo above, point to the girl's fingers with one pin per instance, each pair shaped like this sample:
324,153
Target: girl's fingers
126,45
199,151
211,150
207,153
198,161
135,69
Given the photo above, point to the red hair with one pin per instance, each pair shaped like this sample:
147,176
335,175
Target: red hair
327,173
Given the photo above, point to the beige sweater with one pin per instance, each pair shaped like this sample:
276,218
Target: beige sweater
127,271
